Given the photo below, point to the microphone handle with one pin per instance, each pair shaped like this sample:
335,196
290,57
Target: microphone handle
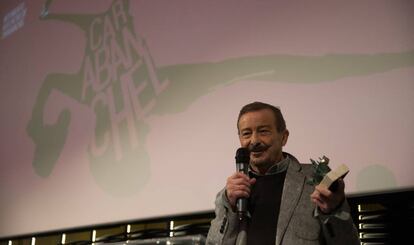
242,202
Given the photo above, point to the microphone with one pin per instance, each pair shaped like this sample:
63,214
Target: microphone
242,165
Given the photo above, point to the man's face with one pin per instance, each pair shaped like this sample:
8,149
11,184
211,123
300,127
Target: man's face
257,131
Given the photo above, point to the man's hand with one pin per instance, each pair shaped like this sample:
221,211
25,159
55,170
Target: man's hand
238,185
326,200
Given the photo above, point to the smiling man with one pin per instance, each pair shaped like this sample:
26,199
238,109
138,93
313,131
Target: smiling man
282,208
260,133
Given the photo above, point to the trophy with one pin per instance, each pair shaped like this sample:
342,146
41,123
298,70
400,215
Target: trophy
324,175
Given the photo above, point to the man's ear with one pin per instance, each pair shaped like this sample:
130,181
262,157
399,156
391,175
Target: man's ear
285,136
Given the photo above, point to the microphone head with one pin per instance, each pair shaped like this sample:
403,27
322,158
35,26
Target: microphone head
242,155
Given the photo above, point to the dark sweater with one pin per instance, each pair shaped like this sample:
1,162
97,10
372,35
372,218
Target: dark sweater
264,205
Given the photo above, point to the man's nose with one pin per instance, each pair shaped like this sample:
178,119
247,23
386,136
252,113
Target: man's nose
254,146
254,140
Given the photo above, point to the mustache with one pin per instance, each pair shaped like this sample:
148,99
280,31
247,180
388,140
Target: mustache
257,147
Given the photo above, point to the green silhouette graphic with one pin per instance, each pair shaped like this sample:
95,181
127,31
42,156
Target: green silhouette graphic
375,177
119,81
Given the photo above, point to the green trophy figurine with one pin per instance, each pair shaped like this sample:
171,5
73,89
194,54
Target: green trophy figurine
323,175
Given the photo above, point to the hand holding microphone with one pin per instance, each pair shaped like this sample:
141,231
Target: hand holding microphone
239,184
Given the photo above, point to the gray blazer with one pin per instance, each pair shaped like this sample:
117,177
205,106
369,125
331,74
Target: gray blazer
298,222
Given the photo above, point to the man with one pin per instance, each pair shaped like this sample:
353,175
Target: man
283,208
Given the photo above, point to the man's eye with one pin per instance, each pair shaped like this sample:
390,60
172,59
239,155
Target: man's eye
245,134
264,131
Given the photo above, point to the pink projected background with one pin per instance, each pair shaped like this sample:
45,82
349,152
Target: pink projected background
118,110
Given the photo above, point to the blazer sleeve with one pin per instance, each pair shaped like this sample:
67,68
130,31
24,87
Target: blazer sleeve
338,228
225,226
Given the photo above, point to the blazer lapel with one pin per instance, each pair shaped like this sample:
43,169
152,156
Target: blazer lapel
292,190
